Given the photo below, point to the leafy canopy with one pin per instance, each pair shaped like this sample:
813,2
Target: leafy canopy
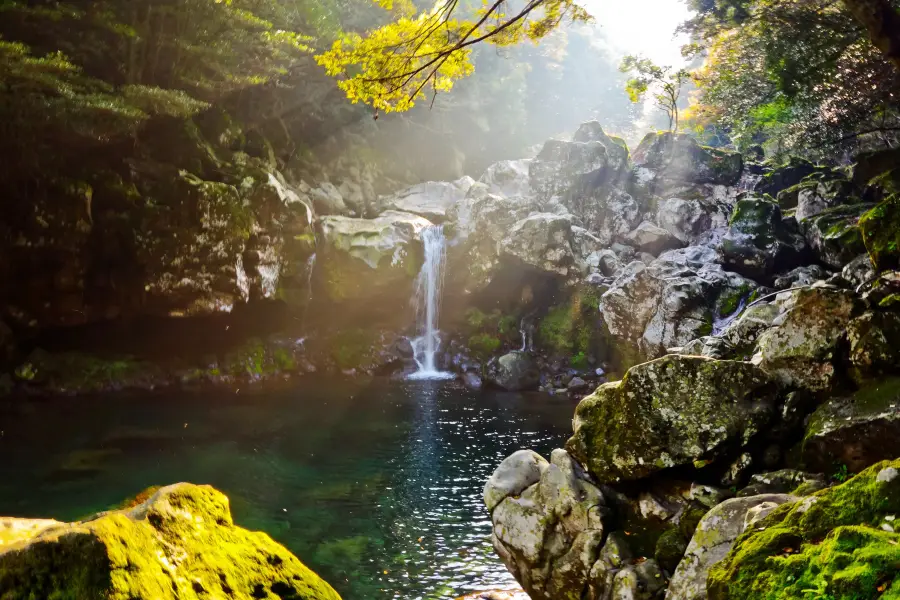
393,66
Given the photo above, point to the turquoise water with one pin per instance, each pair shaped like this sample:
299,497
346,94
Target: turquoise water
375,485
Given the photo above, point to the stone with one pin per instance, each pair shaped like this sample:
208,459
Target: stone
327,200
363,260
431,200
672,301
800,349
795,548
713,539
507,178
757,242
814,199
472,380
608,213
789,174
688,219
576,384
737,471
549,535
542,241
561,165
834,235
741,334
880,229
800,276
643,581
592,131
856,430
514,475
679,158
181,543
668,413
785,481
652,239
514,372
859,271
874,340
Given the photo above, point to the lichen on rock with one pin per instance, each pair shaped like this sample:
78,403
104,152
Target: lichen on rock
669,412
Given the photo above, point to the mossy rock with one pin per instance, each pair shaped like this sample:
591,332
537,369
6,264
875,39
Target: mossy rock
180,544
81,373
667,413
835,235
838,544
881,233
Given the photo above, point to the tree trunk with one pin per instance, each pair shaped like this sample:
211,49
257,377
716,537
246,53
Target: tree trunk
882,22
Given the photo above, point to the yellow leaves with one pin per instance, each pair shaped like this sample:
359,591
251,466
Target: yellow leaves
417,56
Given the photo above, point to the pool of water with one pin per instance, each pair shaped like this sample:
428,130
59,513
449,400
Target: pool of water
376,485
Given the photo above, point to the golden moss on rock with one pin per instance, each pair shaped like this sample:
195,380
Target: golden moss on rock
179,544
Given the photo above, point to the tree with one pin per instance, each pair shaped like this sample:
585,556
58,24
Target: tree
391,67
882,23
665,81
796,75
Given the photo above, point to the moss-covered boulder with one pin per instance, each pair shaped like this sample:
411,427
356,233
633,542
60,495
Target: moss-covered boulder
788,174
840,543
855,430
834,234
81,373
514,371
667,413
713,538
880,228
758,242
180,544
802,349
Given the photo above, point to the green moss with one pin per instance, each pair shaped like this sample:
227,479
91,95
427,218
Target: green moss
180,544
838,543
73,372
350,348
568,328
483,345
730,301
881,233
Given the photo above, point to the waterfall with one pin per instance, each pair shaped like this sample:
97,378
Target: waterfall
310,267
428,304
527,333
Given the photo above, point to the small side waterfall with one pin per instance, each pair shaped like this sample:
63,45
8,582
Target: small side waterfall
527,332
428,304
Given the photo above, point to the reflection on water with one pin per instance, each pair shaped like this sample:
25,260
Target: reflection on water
377,485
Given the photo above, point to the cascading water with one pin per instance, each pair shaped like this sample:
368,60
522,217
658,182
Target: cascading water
428,304
527,333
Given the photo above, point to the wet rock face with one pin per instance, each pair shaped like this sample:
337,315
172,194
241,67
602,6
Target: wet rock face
669,412
515,371
758,242
874,344
364,259
714,537
675,299
560,165
793,550
834,235
855,430
800,350
179,544
548,525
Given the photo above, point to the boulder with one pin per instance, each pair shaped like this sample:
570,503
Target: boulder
431,200
789,174
508,178
548,535
518,472
874,344
741,334
881,232
370,259
800,276
675,299
757,241
856,430
691,217
785,481
800,350
678,158
714,537
561,165
608,213
834,235
592,131
858,271
327,200
815,198
544,242
840,542
667,413
652,239
181,543
515,371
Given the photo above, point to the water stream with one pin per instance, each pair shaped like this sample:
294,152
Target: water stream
428,304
